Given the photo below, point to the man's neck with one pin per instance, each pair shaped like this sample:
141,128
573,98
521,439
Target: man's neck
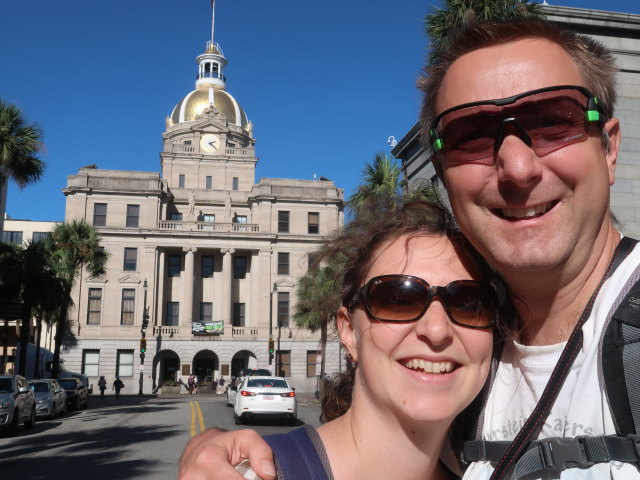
549,303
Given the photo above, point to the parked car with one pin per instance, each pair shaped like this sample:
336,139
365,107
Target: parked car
17,403
77,393
51,399
260,396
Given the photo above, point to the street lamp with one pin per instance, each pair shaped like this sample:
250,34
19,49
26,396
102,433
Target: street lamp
143,331
271,353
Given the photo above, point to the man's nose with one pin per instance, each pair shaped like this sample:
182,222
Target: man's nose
516,161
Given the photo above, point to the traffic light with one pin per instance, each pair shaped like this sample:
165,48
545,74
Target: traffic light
143,345
271,346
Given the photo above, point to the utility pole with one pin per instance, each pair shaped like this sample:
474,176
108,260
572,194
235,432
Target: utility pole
143,339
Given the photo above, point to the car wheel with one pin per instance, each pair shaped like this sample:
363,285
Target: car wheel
228,401
293,421
64,408
32,419
15,421
238,420
78,404
53,411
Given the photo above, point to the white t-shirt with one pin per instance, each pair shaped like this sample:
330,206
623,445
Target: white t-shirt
581,407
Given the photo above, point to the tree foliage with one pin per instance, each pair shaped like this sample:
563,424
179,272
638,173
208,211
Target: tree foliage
456,13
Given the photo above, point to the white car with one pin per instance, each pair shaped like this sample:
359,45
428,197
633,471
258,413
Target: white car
259,396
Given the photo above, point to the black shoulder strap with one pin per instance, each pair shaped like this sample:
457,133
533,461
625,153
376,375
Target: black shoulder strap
296,457
620,353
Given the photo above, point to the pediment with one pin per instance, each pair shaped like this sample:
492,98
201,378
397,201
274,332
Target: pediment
284,283
129,279
210,125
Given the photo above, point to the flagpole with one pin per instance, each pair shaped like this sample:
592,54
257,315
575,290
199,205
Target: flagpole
213,14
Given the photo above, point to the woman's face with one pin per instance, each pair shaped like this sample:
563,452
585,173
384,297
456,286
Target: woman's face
396,361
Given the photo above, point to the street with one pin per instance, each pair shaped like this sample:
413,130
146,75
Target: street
132,438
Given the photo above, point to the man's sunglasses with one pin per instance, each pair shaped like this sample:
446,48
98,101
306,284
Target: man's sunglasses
405,298
546,119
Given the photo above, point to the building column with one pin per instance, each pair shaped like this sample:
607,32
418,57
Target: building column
187,285
227,277
263,285
161,304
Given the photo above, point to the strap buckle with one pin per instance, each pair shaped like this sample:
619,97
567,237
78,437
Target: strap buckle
562,453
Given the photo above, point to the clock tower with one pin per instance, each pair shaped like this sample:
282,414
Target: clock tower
208,145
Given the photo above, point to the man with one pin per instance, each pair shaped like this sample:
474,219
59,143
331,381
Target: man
527,168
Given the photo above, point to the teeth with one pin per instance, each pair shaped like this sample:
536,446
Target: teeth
529,212
428,367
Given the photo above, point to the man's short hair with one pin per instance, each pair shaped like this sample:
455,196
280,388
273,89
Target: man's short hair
593,60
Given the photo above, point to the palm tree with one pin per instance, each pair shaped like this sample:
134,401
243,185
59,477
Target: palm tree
19,144
455,13
77,244
318,295
380,189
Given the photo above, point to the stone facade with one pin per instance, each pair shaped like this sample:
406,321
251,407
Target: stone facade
619,32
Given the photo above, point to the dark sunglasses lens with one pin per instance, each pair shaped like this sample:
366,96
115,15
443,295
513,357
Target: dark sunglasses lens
396,299
471,304
552,120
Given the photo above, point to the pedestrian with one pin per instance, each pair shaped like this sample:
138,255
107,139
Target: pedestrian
221,385
520,116
117,386
102,385
190,384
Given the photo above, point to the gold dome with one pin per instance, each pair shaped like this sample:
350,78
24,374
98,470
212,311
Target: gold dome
195,103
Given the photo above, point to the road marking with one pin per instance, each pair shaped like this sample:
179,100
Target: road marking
196,414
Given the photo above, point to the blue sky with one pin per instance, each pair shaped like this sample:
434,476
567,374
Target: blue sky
324,83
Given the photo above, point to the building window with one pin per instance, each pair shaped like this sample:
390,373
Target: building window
187,142
208,182
172,319
133,216
128,306
283,263
234,183
283,221
313,357
209,217
95,306
239,219
90,362
238,314
239,267
206,309
11,237
283,309
175,263
124,365
283,361
180,181
99,214
130,259
314,222
175,216
39,236
207,266
312,260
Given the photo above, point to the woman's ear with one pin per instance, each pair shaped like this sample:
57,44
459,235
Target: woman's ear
348,335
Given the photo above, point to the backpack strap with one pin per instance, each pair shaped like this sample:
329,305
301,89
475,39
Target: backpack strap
620,352
296,456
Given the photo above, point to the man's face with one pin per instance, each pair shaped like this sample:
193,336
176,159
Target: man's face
522,211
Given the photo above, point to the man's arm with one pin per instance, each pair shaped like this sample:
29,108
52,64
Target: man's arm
213,454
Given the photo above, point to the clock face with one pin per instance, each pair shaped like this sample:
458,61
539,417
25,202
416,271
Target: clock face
209,142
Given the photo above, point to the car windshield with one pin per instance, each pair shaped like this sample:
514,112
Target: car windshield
266,382
256,372
6,385
39,386
68,384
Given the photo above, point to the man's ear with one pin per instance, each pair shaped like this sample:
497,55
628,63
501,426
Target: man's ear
612,127
347,332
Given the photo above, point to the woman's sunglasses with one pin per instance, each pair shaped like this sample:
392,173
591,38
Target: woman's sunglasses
546,119
405,298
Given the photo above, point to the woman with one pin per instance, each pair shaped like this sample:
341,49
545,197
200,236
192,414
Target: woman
416,320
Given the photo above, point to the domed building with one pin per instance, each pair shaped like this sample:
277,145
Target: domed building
203,261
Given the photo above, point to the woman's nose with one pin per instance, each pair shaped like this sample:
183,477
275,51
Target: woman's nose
434,326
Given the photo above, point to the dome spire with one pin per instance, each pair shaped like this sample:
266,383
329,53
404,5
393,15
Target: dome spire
211,62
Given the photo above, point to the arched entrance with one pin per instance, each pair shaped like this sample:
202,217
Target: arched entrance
243,359
205,364
167,365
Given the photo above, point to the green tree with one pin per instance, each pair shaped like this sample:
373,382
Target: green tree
380,189
77,245
318,295
455,13
20,143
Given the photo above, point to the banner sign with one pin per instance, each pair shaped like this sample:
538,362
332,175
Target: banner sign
214,327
